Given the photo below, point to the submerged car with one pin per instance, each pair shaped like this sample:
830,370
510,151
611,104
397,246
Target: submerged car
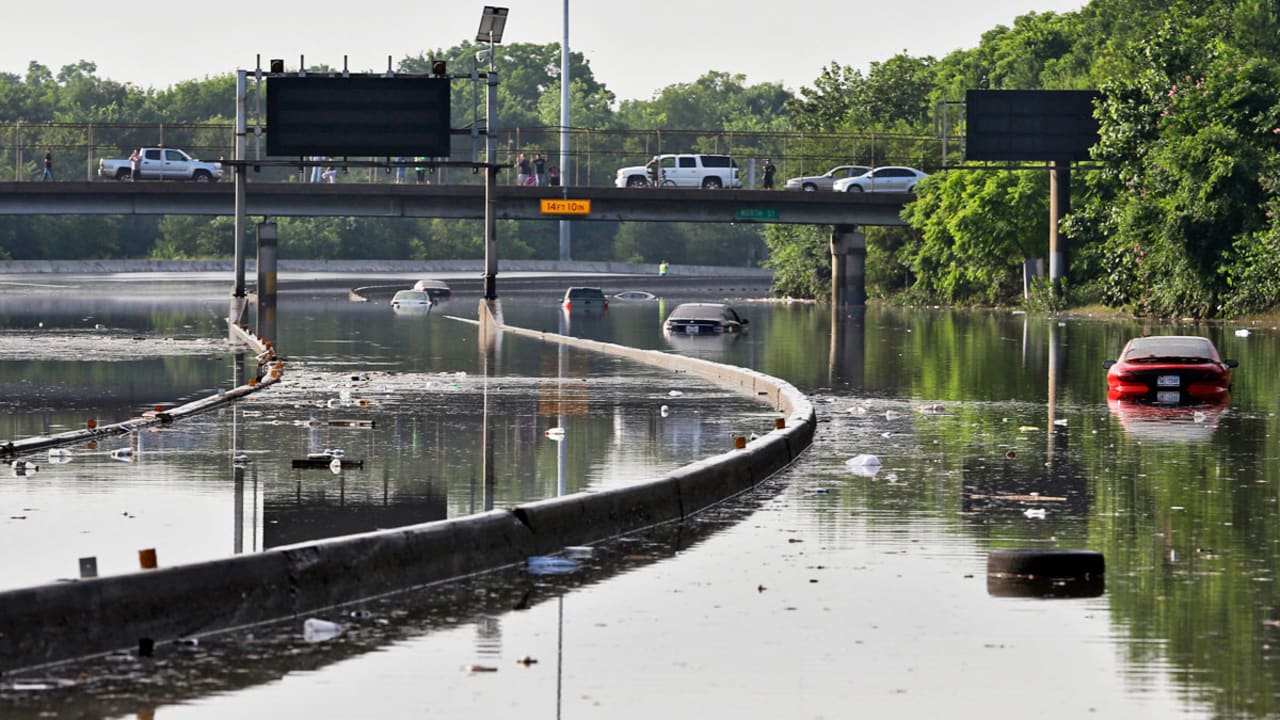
407,299
704,319
435,289
891,178
814,183
1169,369
584,298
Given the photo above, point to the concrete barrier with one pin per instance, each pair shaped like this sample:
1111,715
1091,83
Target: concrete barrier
60,622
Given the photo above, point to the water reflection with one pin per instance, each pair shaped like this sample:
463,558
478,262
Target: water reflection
879,577
1149,422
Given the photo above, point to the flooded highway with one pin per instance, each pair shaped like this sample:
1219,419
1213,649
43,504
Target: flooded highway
838,588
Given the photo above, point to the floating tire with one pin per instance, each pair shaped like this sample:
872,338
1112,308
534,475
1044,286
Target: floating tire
1045,573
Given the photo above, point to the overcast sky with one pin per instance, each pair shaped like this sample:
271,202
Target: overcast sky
634,48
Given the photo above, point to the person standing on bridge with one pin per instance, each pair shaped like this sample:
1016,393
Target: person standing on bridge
524,173
540,170
769,170
135,164
48,166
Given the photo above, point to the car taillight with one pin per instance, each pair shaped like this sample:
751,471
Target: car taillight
567,305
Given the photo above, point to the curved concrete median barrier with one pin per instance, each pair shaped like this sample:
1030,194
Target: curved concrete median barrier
59,622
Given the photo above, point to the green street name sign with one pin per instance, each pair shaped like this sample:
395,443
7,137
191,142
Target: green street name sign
756,214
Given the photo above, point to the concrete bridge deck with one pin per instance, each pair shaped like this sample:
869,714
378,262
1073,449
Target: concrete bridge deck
451,201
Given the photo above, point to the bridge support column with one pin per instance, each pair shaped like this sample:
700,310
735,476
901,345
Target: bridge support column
848,266
267,280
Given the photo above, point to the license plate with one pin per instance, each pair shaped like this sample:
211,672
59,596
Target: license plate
693,329
1168,396
1168,381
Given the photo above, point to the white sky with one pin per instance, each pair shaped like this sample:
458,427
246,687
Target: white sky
634,47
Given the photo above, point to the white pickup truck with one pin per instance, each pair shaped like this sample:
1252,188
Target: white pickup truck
160,163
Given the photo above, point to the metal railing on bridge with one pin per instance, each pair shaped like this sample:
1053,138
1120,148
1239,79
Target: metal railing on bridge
595,155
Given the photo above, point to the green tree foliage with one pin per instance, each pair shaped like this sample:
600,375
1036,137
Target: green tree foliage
975,229
1190,139
800,256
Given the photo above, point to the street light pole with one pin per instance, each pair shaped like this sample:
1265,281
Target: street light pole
564,132
492,22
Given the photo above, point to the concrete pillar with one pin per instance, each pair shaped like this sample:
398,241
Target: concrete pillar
848,267
267,280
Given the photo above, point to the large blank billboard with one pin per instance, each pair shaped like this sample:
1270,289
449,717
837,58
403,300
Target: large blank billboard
358,116
1027,125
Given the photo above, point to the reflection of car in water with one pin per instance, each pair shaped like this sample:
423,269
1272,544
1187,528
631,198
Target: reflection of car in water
1154,422
1169,369
702,344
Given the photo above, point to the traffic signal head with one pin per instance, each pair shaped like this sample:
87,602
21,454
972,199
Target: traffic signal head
438,68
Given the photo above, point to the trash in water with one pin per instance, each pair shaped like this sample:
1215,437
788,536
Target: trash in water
1242,332
24,467
122,454
240,459
892,415
932,409
1028,428
335,466
864,465
578,551
1060,422
60,456
481,668
817,491
856,410
555,433
1034,512
664,411
675,393
315,630
550,565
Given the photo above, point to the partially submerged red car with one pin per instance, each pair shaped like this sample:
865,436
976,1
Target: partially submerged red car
1169,369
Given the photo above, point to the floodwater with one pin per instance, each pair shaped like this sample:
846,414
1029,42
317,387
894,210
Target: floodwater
834,591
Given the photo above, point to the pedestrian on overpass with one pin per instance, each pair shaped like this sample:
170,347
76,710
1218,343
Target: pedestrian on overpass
769,170
48,166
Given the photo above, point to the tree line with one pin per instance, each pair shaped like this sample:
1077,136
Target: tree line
1174,215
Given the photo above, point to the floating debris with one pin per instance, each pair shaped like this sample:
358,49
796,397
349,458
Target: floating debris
1242,332
555,433
315,630
551,565
864,465
1034,512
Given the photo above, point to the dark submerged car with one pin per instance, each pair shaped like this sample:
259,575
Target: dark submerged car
704,319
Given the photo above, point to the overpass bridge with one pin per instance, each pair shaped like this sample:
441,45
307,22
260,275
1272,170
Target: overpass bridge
453,202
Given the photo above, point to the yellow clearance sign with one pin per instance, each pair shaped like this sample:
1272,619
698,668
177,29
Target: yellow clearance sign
566,207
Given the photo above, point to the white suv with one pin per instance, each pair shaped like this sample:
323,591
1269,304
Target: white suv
688,170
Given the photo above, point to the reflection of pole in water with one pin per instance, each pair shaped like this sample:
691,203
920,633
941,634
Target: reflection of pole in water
1056,443
847,361
562,370
490,320
559,655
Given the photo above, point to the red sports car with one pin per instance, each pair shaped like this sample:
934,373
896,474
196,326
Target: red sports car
1169,369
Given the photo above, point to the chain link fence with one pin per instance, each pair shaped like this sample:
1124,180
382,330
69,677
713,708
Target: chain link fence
594,155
